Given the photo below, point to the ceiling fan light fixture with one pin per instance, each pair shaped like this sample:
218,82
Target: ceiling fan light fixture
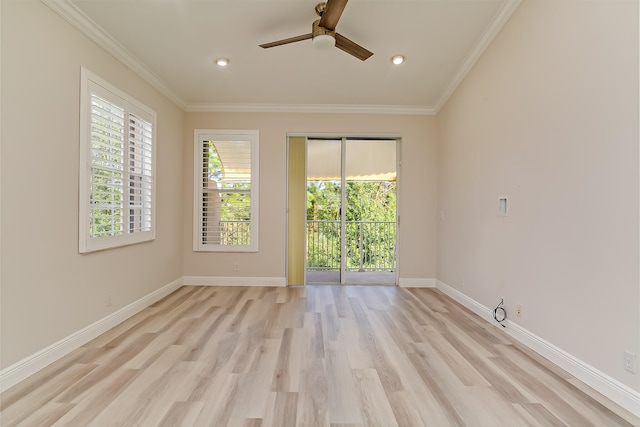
323,32
222,62
324,41
397,60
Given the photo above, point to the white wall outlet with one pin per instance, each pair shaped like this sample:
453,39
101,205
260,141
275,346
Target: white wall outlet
519,310
630,362
109,300
236,266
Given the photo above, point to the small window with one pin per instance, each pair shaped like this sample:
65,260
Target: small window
226,191
117,186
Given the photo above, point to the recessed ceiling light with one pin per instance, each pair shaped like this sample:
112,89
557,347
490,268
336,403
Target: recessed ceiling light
398,59
222,62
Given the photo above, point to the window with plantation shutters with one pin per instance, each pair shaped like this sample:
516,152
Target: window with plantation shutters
226,190
117,168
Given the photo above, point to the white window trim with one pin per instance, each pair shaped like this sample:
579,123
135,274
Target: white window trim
87,243
201,135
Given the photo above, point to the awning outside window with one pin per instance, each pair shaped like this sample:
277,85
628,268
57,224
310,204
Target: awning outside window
366,160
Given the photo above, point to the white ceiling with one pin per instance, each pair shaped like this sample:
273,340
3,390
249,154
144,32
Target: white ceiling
173,44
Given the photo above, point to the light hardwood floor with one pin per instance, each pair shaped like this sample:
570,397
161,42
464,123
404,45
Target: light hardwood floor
313,356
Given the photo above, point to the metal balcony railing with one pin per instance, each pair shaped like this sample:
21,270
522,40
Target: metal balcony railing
235,232
370,245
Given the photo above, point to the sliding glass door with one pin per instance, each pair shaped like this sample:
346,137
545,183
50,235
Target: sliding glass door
350,227
324,213
370,214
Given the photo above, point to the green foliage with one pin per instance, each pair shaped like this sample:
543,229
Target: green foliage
323,200
235,205
371,201
215,169
106,202
370,228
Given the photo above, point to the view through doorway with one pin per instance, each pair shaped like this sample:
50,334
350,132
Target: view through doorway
351,221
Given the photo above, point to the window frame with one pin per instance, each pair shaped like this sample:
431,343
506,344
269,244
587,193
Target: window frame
92,84
201,135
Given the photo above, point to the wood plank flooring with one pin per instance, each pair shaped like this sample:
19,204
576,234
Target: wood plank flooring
314,356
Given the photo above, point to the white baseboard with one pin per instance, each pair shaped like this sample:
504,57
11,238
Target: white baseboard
620,393
416,283
234,281
28,366
479,309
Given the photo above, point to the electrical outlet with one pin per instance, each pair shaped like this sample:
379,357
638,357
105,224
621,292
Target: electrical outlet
109,300
630,362
519,310
236,267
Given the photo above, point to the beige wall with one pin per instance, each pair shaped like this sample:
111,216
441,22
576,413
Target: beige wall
549,118
49,291
417,201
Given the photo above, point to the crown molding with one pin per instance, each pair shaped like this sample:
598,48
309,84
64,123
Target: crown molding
68,11
501,18
74,16
311,108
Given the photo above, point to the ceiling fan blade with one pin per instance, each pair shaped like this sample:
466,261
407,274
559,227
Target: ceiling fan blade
352,48
332,14
287,41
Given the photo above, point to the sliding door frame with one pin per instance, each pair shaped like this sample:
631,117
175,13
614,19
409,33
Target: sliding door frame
343,137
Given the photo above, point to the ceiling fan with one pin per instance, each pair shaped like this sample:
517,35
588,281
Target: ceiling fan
323,33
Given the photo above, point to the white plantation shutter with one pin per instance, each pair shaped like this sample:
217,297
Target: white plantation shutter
140,173
226,183
117,168
107,171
